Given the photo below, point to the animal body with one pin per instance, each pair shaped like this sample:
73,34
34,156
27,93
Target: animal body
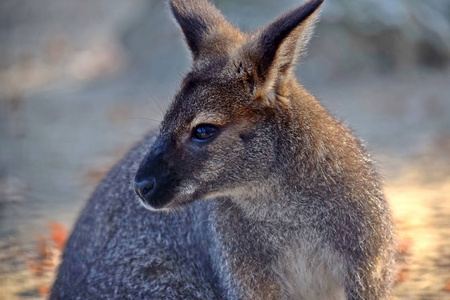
253,190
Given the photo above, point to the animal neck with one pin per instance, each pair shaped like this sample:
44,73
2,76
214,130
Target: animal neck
244,251
255,244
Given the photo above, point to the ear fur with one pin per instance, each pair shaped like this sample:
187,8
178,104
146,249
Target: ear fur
206,30
270,53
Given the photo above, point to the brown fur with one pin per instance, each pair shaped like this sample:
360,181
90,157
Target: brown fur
295,208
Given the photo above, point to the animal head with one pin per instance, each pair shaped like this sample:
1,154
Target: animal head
222,132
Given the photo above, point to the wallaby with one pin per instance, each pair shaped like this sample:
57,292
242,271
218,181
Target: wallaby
253,190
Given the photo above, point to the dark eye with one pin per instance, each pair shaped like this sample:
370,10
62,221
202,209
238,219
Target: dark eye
203,132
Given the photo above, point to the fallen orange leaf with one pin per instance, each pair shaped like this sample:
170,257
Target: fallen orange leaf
44,290
59,234
447,286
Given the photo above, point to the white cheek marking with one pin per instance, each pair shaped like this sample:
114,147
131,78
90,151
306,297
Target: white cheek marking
145,205
187,189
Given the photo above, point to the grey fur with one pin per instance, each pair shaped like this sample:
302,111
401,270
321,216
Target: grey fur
287,202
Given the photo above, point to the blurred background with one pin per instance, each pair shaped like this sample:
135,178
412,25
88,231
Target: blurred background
82,81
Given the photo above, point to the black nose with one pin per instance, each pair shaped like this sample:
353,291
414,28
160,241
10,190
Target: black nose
145,188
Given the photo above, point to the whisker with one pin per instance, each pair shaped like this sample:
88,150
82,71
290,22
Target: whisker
156,102
148,119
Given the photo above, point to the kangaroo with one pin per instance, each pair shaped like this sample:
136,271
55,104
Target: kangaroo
253,190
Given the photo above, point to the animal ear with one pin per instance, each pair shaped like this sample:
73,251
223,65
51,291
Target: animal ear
206,30
270,53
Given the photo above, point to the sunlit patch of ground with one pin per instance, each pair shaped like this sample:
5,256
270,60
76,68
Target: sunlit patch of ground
423,217
420,201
